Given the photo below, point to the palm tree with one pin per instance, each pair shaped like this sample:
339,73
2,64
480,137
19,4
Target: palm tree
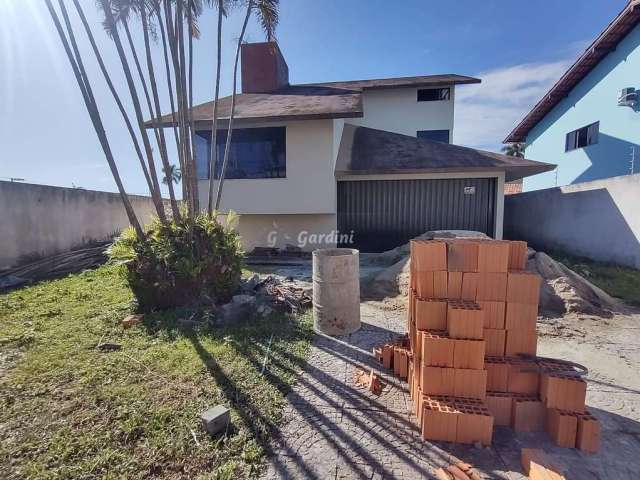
171,175
268,16
514,150
84,85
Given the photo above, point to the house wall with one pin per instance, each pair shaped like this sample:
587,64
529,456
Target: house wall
593,99
397,110
598,220
40,220
309,187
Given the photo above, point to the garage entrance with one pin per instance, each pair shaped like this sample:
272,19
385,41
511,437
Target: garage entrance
386,213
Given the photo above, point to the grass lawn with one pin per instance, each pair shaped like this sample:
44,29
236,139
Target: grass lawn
621,282
69,410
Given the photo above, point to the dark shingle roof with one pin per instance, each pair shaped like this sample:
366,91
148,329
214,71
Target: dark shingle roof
367,151
311,101
600,48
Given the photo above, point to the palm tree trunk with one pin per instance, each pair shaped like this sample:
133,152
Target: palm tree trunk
227,146
214,123
155,195
157,114
114,93
163,35
92,108
190,108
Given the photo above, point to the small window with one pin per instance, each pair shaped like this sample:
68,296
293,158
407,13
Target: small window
434,94
582,137
434,135
254,153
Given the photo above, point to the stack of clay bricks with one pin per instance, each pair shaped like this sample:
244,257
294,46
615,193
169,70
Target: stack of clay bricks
470,357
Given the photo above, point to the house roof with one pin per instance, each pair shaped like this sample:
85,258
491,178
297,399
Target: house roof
604,44
310,101
367,151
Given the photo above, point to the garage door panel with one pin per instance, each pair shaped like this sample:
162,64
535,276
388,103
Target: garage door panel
386,213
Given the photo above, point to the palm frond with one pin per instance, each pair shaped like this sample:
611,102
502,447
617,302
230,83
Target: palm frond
268,16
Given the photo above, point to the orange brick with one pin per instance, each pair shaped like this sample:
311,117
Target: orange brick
438,381
522,377
475,422
462,256
495,339
523,287
493,256
562,426
465,320
517,255
521,316
494,313
437,349
521,341
410,301
439,421
428,255
528,414
440,286
469,354
469,286
400,362
492,287
387,356
500,405
589,432
497,374
454,285
470,383
538,466
563,392
431,314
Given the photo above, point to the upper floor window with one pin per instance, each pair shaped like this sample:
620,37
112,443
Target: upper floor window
434,94
582,137
253,153
434,135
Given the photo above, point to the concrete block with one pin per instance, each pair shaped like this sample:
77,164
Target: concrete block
216,419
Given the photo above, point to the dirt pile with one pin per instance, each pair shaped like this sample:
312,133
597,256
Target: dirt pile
563,290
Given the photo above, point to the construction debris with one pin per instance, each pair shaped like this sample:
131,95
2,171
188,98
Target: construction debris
131,320
470,354
371,381
216,419
55,266
457,471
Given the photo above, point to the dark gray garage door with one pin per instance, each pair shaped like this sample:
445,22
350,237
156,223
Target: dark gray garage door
386,213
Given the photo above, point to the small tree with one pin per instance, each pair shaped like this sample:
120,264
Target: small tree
514,150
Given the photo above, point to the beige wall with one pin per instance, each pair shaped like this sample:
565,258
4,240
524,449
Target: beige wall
397,110
309,186
279,230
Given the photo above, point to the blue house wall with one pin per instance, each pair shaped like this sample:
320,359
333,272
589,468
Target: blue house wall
593,99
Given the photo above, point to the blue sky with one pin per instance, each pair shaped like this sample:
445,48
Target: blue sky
519,48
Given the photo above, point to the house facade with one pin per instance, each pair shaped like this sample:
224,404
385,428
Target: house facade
589,122
366,163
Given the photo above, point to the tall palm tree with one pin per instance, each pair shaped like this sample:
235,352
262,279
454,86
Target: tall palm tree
514,150
268,16
171,174
77,65
214,123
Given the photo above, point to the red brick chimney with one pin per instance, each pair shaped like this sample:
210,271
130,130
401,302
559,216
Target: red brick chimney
263,68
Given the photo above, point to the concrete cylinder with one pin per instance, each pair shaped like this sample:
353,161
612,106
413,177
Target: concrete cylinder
336,291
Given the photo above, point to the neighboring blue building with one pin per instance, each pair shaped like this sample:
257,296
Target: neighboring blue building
579,124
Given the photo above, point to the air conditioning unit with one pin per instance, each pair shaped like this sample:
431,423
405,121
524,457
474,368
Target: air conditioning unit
628,97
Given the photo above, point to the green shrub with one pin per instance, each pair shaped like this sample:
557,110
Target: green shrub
180,263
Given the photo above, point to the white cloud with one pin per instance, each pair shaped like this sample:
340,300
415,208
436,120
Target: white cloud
487,112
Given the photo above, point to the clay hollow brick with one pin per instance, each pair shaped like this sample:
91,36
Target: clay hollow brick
563,392
469,354
469,289
465,320
437,381
497,374
431,284
470,383
428,255
517,255
588,433
562,426
462,256
475,423
431,314
528,414
523,287
522,377
454,285
521,342
492,287
500,405
494,313
521,316
493,256
437,349
495,339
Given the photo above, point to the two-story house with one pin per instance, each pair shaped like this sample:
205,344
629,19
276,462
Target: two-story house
363,163
589,122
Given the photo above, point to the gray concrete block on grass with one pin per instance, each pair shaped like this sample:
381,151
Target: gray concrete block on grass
215,419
